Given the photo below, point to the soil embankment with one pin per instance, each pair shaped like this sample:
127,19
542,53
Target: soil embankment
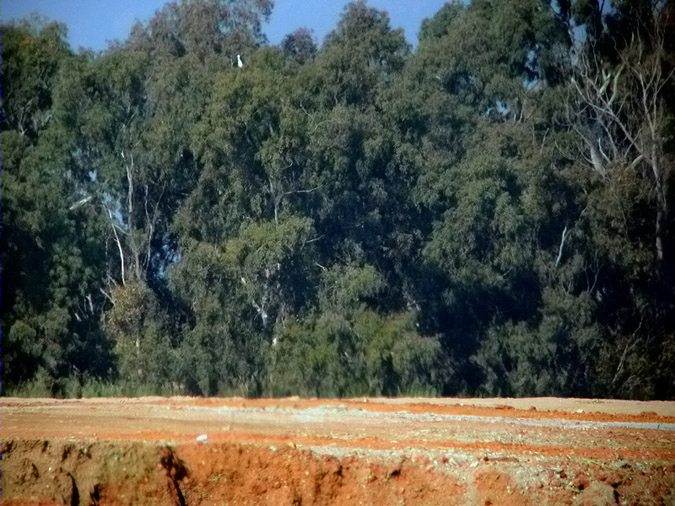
356,451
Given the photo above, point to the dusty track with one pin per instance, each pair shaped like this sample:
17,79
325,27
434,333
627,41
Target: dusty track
285,451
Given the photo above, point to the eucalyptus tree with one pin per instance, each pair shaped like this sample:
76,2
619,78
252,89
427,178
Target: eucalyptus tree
245,211
194,210
363,178
51,260
207,29
299,46
344,347
129,115
619,112
476,106
32,51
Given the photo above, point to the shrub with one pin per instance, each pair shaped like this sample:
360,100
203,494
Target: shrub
369,354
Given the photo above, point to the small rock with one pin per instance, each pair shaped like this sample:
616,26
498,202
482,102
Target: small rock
202,438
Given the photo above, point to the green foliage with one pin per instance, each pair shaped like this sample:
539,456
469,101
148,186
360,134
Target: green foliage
136,324
51,255
398,360
346,349
32,54
366,354
40,385
354,217
319,359
349,287
556,357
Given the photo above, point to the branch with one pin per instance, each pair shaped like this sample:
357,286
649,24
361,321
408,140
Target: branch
80,203
119,244
563,237
301,191
107,296
315,239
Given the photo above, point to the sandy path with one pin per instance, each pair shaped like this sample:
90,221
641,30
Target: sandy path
627,429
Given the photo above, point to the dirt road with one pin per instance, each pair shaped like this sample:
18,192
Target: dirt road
367,451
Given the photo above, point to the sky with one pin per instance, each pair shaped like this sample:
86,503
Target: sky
93,23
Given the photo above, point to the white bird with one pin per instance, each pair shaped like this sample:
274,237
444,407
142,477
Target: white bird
240,63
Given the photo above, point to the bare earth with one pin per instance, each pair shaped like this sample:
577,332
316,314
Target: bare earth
348,451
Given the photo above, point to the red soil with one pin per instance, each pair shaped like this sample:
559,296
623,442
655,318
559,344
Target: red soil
313,451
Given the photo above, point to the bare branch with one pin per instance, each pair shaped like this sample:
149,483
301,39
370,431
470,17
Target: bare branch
563,237
119,245
618,115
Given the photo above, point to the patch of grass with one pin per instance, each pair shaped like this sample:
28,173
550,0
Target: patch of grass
42,385
72,387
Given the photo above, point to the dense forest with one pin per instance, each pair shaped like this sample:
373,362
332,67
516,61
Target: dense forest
487,213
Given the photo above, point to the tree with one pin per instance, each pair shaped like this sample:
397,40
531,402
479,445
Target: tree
354,218
299,46
138,327
32,53
346,349
51,261
620,114
204,28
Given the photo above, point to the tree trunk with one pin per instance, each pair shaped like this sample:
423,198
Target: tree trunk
659,233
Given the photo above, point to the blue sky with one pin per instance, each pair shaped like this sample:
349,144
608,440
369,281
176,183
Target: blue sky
92,23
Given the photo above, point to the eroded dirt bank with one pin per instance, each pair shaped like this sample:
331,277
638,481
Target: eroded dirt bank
291,451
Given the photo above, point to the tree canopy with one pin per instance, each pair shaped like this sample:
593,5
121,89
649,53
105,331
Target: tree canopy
487,213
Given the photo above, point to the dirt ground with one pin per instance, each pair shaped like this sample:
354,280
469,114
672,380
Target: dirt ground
351,451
